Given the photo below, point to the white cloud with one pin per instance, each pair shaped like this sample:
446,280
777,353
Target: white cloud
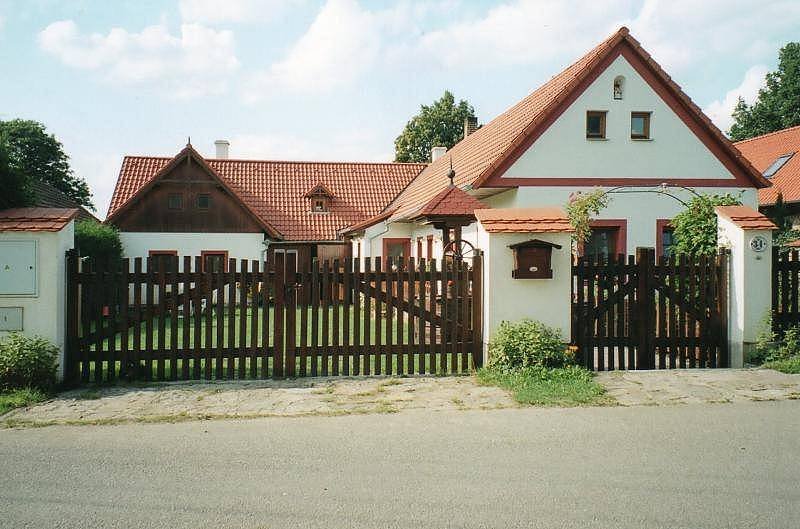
342,43
720,110
520,32
196,62
220,11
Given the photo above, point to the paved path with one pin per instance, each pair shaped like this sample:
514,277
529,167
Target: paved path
695,466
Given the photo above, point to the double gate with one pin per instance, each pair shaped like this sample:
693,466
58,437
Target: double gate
171,319
642,313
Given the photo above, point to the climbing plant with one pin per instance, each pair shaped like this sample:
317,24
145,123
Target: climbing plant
695,228
581,207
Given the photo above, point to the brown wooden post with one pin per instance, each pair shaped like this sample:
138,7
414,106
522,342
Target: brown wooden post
645,357
477,309
277,333
71,371
291,315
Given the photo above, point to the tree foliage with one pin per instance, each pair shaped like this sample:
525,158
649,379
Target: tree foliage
581,207
100,242
38,155
778,103
695,228
14,185
439,124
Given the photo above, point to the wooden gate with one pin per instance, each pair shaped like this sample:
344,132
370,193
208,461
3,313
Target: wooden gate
173,320
785,289
639,313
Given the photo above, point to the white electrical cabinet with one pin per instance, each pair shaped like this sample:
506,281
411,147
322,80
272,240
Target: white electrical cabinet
11,319
18,266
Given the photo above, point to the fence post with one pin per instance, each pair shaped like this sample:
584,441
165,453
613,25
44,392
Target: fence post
645,357
477,309
71,372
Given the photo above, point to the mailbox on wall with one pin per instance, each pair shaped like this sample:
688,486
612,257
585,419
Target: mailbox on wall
532,259
18,268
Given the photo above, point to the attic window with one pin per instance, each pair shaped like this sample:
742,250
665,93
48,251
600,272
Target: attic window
175,201
640,125
203,201
319,204
776,165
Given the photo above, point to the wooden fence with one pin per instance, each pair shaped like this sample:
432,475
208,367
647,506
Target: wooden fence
168,319
785,289
639,313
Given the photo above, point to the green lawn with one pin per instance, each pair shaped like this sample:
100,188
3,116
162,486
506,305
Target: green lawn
789,365
570,386
18,398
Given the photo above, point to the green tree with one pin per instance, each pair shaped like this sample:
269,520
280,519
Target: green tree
695,228
438,125
778,103
100,242
16,191
41,157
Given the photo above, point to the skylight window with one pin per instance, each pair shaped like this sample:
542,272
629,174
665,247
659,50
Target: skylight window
776,165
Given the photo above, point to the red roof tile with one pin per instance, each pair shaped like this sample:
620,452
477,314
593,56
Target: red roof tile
479,155
762,151
275,190
36,219
524,220
746,217
451,202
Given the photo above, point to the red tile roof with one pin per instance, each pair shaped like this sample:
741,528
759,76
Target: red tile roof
451,202
36,219
480,155
523,220
275,190
746,217
763,150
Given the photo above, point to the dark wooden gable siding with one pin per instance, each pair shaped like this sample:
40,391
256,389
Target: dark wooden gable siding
150,212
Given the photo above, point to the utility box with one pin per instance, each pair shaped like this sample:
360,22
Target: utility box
532,259
18,268
11,319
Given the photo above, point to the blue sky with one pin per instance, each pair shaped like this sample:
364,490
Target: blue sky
336,79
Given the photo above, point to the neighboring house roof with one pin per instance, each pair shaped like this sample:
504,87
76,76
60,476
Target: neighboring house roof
275,191
36,219
520,220
763,151
48,196
746,217
482,157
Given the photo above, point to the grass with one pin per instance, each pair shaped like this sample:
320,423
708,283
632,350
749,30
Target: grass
537,386
789,365
19,398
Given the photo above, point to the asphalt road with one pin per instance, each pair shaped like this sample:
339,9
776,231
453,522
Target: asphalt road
700,466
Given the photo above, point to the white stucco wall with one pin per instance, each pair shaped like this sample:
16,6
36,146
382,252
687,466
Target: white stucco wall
641,210
750,290
673,151
238,245
509,299
44,314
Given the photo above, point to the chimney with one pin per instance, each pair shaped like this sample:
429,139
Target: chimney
437,152
222,149
470,125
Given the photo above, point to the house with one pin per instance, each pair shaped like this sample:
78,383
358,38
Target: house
612,120
48,196
223,208
774,155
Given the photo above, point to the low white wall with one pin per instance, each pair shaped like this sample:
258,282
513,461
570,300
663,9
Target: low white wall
44,314
238,245
509,299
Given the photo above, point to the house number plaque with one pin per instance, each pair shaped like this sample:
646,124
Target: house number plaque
758,243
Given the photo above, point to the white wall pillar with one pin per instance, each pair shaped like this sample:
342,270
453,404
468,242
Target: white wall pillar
748,235
509,299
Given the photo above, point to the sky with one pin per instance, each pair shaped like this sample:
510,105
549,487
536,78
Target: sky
336,79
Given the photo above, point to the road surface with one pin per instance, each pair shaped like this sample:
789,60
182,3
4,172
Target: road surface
696,466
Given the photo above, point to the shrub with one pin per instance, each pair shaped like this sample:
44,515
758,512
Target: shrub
27,362
695,228
527,343
100,242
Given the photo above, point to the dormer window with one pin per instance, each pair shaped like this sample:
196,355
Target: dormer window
320,197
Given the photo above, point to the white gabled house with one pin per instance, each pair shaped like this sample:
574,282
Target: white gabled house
614,120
